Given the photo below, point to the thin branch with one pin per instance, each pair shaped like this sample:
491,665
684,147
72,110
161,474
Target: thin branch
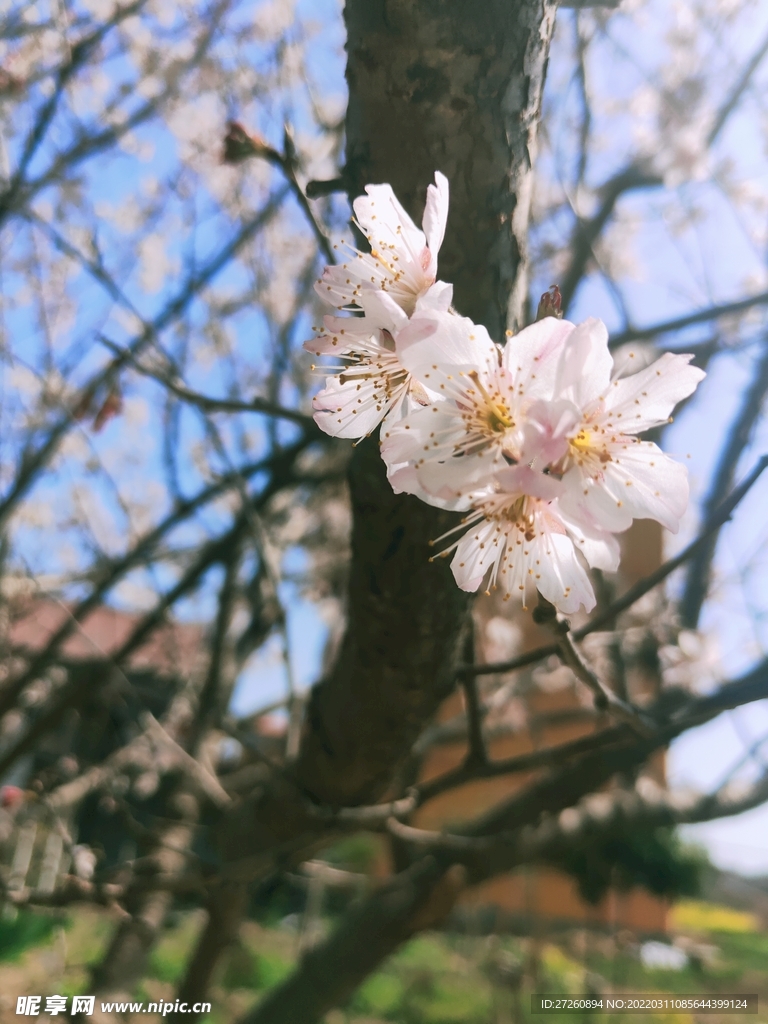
280,465
79,55
670,722
605,699
731,101
71,692
208,404
34,461
700,317
210,701
476,752
737,441
89,145
426,839
240,145
207,782
587,231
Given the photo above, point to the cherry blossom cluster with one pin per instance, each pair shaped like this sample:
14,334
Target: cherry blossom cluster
536,442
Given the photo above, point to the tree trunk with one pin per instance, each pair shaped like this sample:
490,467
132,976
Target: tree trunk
225,911
456,87
444,86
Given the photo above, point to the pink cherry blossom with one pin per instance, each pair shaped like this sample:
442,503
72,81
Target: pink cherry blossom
402,260
519,542
372,384
444,450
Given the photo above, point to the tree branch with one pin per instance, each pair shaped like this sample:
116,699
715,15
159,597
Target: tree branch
680,322
586,232
737,441
605,699
209,404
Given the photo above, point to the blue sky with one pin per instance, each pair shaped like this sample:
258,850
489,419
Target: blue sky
709,262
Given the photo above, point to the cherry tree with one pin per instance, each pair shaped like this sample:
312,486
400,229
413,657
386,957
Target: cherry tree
176,237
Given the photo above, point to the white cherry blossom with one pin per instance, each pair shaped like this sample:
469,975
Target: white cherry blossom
519,541
610,476
445,450
549,403
372,384
402,260
536,442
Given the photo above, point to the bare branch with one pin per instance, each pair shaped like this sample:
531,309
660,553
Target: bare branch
280,465
35,460
731,101
586,232
737,440
605,699
207,782
209,404
700,317
239,144
77,58
476,752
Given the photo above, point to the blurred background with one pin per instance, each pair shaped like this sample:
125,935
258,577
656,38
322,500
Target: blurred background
156,276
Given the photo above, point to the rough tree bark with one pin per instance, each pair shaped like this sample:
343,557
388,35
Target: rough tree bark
454,87
434,85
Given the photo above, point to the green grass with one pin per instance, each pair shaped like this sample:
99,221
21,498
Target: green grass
20,929
434,979
168,959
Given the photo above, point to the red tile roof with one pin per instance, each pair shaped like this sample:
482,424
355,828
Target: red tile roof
174,648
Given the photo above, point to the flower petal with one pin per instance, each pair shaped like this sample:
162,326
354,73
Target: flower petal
533,356
647,398
353,408
600,549
524,480
563,580
584,372
436,214
639,482
652,485
384,220
475,553
439,346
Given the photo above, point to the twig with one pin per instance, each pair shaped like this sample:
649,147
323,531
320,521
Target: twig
240,145
605,699
677,324
207,782
736,442
438,840
737,92
333,876
377,813
34,460
280,467
586,232
317,189
206,402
